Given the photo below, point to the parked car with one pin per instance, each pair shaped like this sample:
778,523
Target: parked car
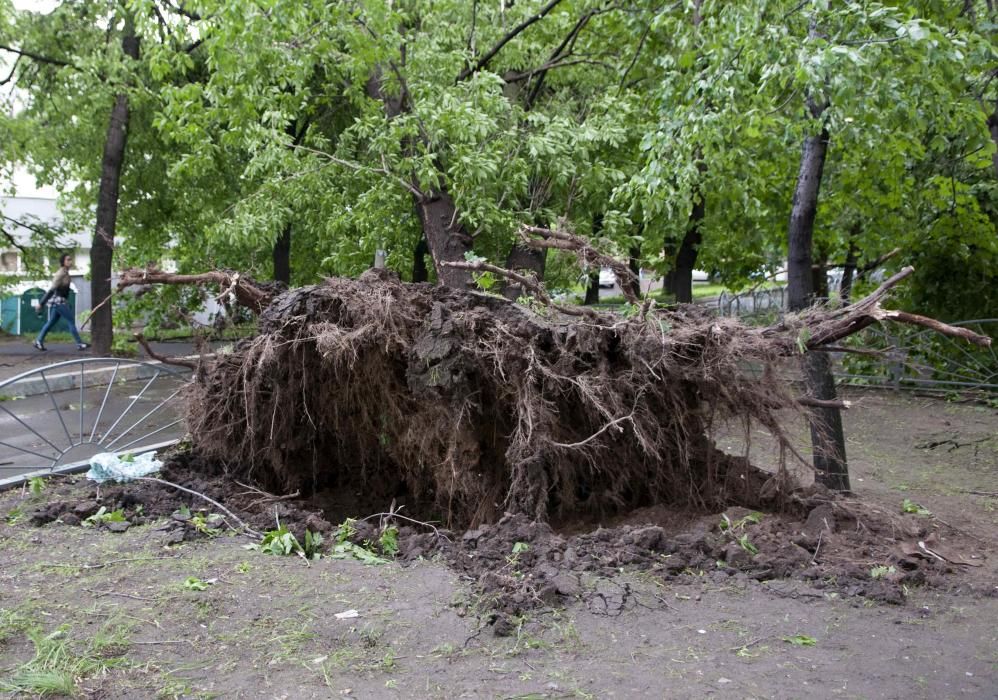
606,278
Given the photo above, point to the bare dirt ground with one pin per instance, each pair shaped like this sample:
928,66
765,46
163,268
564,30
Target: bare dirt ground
656,604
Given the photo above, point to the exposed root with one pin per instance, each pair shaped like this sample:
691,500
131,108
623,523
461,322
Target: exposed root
475,406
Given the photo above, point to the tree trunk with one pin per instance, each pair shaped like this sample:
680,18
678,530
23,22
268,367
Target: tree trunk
993,128
800,280
282,246
419,271
282,256
827,438
523,258
634,262
819,277
446,238
592,289
102,248
686,259
848,272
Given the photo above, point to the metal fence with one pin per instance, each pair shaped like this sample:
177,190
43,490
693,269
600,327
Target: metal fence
906,357
902,356
66,412
752,303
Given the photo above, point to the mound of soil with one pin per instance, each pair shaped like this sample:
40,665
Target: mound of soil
826,543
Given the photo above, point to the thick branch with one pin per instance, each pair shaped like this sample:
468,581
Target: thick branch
37,57
237,288
512,34
529,283
587,254
823,403
141,340
827,328
938,326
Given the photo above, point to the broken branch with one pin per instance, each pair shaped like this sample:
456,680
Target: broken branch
587,254
141,340
240,289
529,283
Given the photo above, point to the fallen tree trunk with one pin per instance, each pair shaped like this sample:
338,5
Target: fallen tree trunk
470,405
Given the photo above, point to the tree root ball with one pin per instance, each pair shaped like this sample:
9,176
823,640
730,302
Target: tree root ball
474,406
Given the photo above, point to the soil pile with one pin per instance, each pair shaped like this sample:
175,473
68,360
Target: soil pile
471,406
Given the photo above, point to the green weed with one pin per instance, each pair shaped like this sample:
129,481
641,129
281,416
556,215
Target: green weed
909,506
36,485
193,583
103,515
345,549
879,572
801,640
282,542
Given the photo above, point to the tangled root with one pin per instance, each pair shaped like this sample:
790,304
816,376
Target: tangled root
474,406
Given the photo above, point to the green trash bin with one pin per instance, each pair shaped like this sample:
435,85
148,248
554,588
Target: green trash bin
8,314
31,322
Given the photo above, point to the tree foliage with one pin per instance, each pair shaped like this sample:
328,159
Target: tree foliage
333,119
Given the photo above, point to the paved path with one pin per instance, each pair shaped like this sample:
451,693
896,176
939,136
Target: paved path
17,354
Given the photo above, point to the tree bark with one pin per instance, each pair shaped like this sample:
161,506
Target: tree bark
819,276
827,437
993,128
102,248
520,258
848,271
634,262
592,289
686,259
282,246
282,256
446,238
419,271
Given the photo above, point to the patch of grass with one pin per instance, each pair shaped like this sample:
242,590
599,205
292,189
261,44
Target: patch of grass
15,515
60,664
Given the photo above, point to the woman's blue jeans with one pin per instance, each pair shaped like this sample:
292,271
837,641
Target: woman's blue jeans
57,311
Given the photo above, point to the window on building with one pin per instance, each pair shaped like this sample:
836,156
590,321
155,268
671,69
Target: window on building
8,262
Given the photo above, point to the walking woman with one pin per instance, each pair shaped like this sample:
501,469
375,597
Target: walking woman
57,298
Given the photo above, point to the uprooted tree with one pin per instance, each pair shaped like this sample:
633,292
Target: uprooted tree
470,405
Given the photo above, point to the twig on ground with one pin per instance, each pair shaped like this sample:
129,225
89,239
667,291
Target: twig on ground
817,547
395,514
101,594
812,402
164,482
102,564
748,644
